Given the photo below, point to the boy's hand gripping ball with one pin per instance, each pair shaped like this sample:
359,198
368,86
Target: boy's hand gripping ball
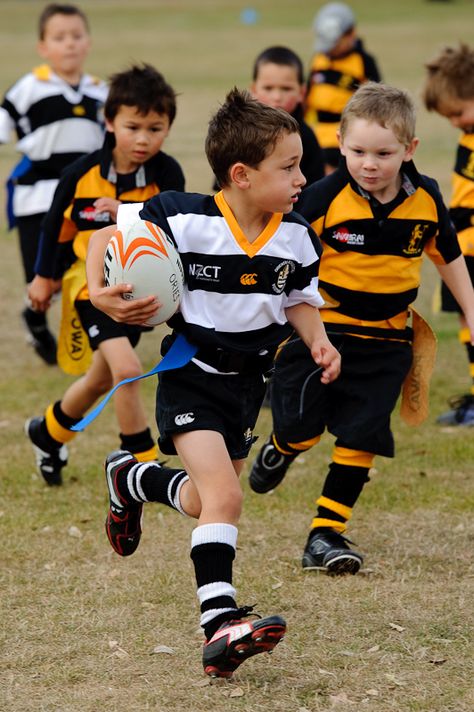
146,258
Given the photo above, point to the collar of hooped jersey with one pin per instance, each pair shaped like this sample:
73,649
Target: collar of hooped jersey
179,354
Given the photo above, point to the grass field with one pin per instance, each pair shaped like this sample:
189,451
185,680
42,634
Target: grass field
80,628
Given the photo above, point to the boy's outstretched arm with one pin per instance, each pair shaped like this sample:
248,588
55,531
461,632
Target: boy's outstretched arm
306,320
457,279
109,299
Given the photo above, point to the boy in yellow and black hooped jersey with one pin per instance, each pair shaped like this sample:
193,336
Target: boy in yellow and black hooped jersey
449,90
376,216
130,167
339,66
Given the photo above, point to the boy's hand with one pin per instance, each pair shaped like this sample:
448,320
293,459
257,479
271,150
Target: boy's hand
328,359
128,311
40,291
108,205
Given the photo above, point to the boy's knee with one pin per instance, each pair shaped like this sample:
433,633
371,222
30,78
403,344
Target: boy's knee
132,370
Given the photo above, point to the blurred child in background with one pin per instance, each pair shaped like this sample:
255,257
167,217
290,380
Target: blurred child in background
449,90
339,66
130,167
278,80
56,112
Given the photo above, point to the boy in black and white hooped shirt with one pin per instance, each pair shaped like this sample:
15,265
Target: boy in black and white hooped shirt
56,113
251,270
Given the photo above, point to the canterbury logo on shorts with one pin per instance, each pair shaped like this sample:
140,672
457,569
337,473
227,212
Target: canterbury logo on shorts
248,278
184,418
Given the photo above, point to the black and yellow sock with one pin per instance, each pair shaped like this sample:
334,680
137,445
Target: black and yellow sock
346,478
141,445
292,450
56,427
465,338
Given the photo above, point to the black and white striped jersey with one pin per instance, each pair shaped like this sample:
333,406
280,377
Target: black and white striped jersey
55,123
236,292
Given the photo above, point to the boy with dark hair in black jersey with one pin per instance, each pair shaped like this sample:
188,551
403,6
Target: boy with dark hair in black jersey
251,277
130,166
278,80
376,216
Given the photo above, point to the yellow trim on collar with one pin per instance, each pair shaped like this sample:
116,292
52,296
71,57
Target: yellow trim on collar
250,248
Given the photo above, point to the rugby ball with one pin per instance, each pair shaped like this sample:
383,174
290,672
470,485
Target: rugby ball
144,256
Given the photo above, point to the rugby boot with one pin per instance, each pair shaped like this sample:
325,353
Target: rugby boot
461,413
327,550
269,468
50,460
39,336
236,640
123,523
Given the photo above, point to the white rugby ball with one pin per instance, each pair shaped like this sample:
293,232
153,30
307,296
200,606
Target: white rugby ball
145,257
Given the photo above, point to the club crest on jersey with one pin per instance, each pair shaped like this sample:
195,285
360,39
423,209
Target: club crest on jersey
283,270
342,234
414,244
468,169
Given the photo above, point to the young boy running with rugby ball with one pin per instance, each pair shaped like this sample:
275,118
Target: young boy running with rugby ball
251,278
376,216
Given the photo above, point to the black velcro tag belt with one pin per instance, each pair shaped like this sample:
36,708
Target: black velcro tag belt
405,334
235,361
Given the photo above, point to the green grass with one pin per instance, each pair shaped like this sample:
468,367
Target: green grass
79,625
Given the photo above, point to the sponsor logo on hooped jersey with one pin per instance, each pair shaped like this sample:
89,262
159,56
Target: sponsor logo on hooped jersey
205,273
184,418
342,234
92,215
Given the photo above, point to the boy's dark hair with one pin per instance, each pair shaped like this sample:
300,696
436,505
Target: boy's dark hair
244,130
59,9
385,105
279,55
141,86
450,76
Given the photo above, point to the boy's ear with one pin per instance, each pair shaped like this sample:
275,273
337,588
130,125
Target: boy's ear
238,174
410,149
339,139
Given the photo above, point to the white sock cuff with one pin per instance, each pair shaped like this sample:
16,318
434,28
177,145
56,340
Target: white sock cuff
215,590
216,532
175,501
134,485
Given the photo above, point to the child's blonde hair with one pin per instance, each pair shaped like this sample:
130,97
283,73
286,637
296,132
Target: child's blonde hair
450,76
385,105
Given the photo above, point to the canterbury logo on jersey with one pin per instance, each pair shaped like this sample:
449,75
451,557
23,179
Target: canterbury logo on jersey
184,418
349,238
207,273
249,278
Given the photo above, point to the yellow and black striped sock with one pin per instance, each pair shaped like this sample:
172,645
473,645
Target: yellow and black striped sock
465,338
346,478
141,445
57,425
